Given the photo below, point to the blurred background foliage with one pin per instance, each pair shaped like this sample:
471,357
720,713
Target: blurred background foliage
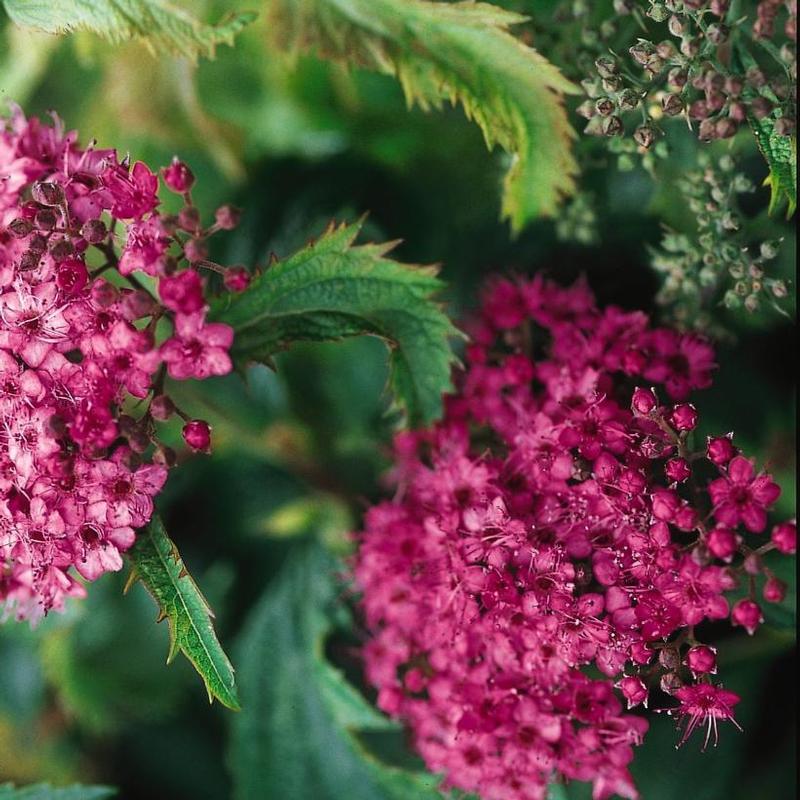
300,452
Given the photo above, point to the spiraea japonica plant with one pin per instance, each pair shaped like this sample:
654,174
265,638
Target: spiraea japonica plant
105,300
553,546
553,559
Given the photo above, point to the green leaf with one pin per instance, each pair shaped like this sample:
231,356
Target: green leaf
332,289
461,53
296,737
158,565
160,24
43,791
780,153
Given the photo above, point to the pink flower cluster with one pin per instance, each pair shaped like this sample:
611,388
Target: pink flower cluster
552,545
83,358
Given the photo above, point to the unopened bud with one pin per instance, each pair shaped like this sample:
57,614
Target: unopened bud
47,194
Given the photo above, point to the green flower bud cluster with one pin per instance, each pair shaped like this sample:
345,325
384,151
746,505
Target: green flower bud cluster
577,221
715,265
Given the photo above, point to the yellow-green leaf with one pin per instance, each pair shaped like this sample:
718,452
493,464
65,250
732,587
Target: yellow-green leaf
160,24
462,53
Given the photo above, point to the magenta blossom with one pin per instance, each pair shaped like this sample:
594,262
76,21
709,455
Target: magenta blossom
80,463
547,557
705,705
743,496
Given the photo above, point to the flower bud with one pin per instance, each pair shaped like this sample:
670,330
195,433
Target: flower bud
722,543
629,99
227,217
94,231
182,292
733,85
606,67
612,126
195,250
46,219
774,590
47,194
104,294
677,77
760,107
178,177
197,434
725,128
707,131
702,660
641,52
633,690
165,456
60,249
678,470
684,417
644,136
604,106
189,219
784,537
669,657
670,682
162,407
747,613
752,564
698,109
137,304
676,25
236,279
71,276
720,450
20,227
644,402
671,104
717,33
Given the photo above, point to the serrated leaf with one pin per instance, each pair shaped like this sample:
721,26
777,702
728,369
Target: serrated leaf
160,24
295,738
158,565
461,53
44,791
780,153
333,289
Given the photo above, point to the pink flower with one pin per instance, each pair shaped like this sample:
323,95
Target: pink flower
182,292
133,194
704,705
681,362
76,471
197,350
743,496
145,247
543,530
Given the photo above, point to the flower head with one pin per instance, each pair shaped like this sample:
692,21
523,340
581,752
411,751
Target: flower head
704,705
78,471
548,540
